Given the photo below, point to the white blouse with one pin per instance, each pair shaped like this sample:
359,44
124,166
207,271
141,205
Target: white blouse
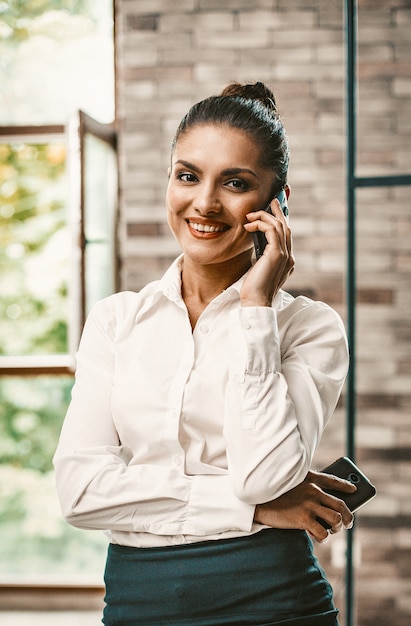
174,436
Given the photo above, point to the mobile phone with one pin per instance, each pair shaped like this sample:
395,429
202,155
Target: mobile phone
347,469
259,238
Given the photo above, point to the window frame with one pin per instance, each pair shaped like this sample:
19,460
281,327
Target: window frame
43,595
74,134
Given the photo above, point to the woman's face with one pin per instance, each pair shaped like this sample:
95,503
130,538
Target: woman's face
215,179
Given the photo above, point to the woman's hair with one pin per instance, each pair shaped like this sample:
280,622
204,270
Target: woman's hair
252,109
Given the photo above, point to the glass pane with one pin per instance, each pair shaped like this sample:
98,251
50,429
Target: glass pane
39,543
56,57
34,249
384,95
99,272
99,212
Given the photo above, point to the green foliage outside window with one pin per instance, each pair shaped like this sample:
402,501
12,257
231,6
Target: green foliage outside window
16,16
34,249
34,258
56,57
38,541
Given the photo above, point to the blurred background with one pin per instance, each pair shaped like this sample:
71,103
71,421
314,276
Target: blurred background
91,93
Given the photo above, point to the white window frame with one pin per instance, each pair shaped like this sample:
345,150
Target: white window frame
74,134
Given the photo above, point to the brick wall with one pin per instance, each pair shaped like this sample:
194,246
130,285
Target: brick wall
171,53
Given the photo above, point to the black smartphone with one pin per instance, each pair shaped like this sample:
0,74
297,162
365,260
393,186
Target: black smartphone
347,469
259,238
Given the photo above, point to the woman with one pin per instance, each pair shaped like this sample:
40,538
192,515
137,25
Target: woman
200,401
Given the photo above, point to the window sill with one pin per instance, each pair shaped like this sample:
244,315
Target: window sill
51,597
36,365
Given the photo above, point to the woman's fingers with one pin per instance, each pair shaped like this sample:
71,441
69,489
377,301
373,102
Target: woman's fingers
307,507
330,482
332,502
267,219
271,271
277,232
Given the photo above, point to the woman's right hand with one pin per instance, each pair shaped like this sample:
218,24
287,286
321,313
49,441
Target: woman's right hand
268,275
304,506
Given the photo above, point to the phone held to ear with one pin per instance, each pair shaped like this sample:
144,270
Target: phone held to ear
345,468
259,238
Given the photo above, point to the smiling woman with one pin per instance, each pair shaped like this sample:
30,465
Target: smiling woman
200,401
208,198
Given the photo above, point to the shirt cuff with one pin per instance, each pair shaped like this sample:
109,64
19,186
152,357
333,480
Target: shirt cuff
213,508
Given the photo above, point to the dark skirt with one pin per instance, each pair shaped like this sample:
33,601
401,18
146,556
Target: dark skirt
270,578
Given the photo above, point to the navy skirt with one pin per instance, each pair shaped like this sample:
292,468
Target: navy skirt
271,578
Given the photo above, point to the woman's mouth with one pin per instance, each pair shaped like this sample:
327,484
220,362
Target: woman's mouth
207,229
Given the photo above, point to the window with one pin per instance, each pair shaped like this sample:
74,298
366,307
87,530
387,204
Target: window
58,196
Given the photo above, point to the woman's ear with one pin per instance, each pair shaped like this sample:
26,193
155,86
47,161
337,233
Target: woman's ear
287,190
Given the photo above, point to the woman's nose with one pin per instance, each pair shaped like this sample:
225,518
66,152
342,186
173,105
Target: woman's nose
207,200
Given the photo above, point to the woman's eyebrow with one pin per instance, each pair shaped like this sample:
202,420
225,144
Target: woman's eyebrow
188,165
230,171
235,171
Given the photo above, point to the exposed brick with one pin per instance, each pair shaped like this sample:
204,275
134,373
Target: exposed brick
375,296
403,263
403,16
157,73
402,87
387,69
177,23
293,37
215,21
140,57
375,54
236,5
330,53
378,400
382,4
263,20
142,22
233,39
147,229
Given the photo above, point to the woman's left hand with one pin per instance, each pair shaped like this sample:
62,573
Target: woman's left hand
305,506
271,271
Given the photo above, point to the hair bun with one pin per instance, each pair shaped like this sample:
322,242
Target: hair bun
252,91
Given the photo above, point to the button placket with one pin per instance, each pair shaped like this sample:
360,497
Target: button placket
177,460
177,455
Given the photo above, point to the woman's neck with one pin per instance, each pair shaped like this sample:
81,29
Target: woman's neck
200,284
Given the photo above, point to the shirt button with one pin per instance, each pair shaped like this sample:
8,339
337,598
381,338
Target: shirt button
178,540
204,328
245,324
177,460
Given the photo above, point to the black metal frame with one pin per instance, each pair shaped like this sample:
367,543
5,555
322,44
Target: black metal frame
353,183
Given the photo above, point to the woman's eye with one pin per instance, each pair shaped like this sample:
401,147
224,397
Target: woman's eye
187,177
237,184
